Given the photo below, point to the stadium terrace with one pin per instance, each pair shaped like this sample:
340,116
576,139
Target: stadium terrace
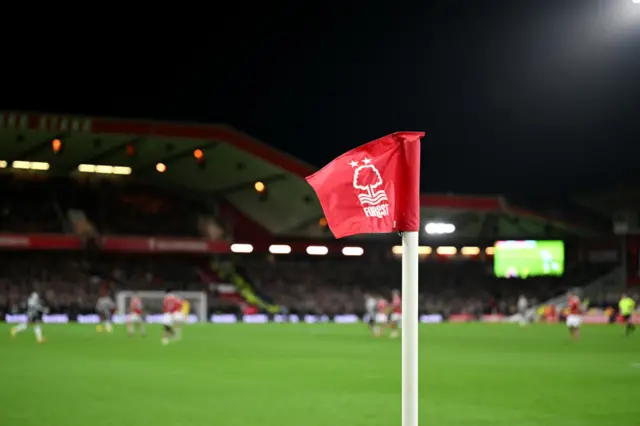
256,197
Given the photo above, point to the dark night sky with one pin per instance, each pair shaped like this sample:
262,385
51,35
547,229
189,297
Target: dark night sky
530,96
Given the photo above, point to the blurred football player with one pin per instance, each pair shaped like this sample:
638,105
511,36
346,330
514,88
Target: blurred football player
135,319
105,307
626,306
396,313
181,317
35,310
523,307
172,308
574,316
371,309
382,316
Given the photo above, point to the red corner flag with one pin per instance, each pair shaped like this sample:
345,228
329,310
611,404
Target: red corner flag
374,188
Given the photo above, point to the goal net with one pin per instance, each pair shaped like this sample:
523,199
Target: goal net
152,305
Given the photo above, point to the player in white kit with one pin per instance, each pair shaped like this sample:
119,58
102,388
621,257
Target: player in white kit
382,316
105,307
371,309
35,310
523,306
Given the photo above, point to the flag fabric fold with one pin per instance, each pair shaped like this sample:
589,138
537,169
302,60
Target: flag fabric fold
374,188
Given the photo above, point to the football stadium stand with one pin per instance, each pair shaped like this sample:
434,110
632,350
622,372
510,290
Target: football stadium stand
120,204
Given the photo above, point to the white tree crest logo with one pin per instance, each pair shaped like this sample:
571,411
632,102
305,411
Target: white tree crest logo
367,178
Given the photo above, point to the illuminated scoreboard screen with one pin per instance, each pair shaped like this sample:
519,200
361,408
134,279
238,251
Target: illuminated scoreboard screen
528,258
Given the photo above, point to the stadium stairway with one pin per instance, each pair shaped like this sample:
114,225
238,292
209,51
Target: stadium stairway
231,274
226,292
602,289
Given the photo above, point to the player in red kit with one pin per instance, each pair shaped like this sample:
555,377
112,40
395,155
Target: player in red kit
136,316
179,318
574,316
396,312
172,308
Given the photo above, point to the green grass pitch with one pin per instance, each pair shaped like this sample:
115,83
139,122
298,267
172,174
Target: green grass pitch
318,375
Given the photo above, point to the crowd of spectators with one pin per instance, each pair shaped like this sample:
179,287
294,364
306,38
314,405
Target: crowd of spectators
43,206
70,282
339,285
27,206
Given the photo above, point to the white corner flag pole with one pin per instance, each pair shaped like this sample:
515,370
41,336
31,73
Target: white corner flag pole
410,323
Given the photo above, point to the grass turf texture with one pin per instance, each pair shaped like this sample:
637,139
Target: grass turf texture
308,375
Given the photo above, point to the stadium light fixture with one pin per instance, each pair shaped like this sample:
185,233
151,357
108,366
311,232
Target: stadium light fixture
439,228
279,249
87,168
241,248
317,250
104,169
259,186
353,251
131,150
446,251
56,145
121,170
489,251
30,165
3,164
37,165
422,250
108,170
470,251
161,167
21,165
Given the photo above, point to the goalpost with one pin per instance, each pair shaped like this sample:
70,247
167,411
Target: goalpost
152,303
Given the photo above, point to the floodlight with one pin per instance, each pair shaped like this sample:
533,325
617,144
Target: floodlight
439,228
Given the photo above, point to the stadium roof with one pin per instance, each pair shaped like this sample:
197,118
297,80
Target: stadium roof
234,162
621,198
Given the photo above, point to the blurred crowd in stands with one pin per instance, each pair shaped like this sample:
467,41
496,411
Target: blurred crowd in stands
70,281
113,208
